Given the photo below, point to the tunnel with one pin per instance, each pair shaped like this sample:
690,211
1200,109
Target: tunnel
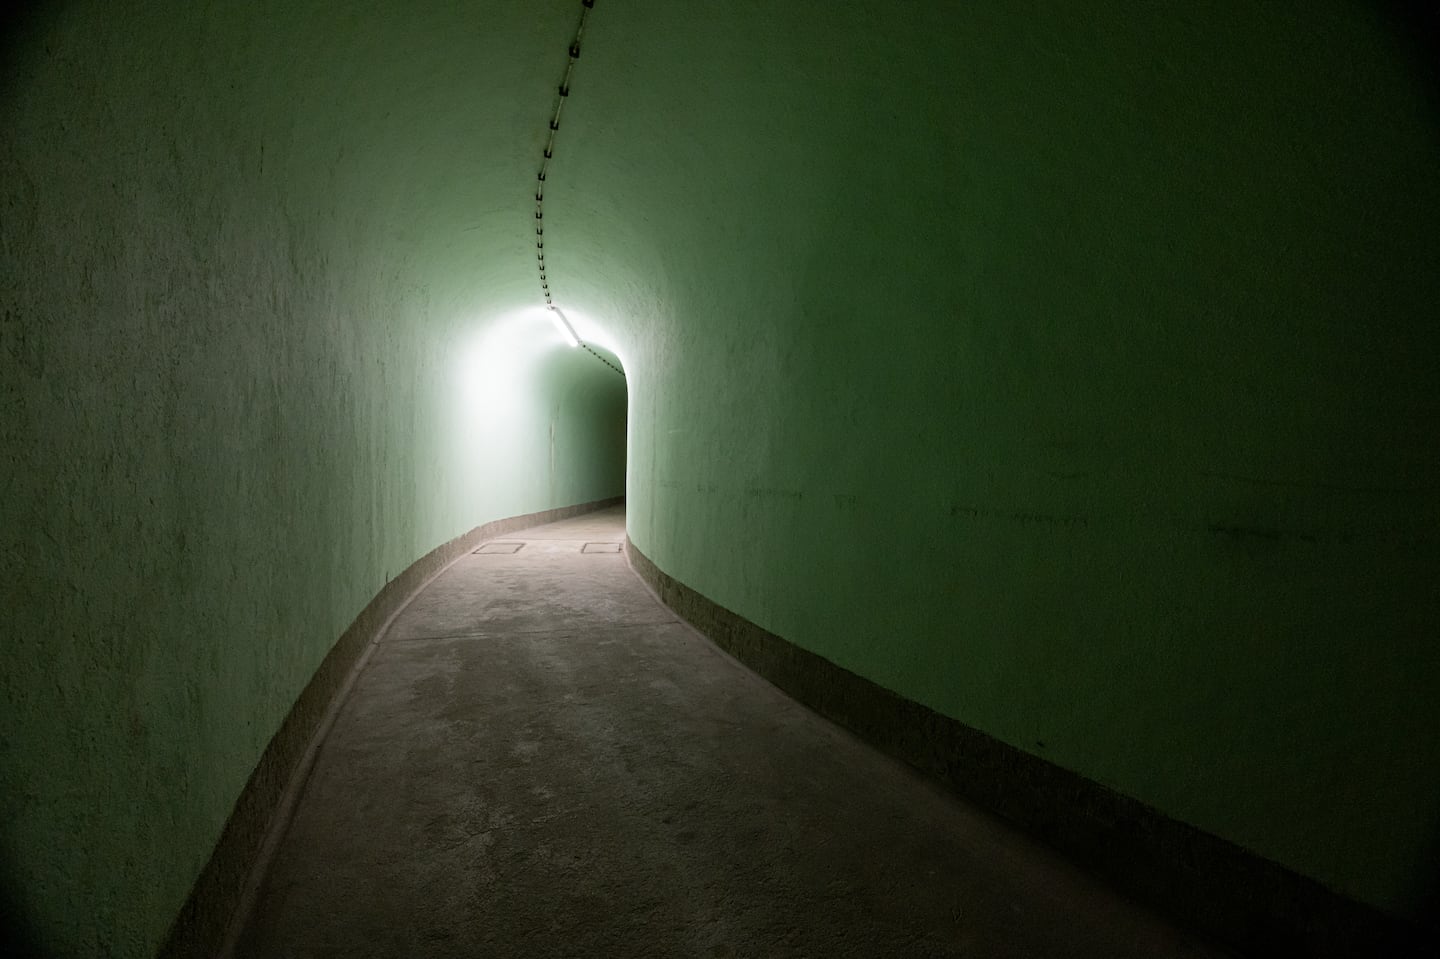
1047,393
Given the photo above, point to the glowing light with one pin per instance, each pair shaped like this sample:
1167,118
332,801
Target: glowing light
495,364
590,331
563,325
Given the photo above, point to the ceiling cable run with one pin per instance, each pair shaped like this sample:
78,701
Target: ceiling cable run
602,359
562,93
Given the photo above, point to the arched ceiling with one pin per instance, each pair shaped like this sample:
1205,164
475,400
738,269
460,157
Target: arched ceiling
935,317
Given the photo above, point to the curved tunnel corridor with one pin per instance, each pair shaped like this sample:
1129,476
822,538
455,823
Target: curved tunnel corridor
540,759
1047,395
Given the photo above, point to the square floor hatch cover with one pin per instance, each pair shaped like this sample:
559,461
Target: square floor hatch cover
500,548
600,548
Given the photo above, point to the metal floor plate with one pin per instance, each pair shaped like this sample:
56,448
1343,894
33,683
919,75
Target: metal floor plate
500,548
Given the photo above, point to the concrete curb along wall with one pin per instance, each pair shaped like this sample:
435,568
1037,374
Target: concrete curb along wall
1201,880
215,907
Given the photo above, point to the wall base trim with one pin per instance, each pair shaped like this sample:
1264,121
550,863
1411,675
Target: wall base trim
1202,881
220,900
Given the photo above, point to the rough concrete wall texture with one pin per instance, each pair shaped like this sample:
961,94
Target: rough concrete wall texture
249,374
1069,371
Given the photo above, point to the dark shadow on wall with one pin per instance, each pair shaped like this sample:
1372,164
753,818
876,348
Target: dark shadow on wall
18,939
19,15
21,23
1416,24
1429,897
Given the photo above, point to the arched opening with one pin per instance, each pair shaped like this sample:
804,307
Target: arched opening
539,416
588,427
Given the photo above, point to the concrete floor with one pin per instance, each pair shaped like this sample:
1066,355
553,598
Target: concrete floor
540,760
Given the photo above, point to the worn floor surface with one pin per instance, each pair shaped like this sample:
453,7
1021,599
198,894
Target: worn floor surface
540,760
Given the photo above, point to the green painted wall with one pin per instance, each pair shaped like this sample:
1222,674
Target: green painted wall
1071,371
256,359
